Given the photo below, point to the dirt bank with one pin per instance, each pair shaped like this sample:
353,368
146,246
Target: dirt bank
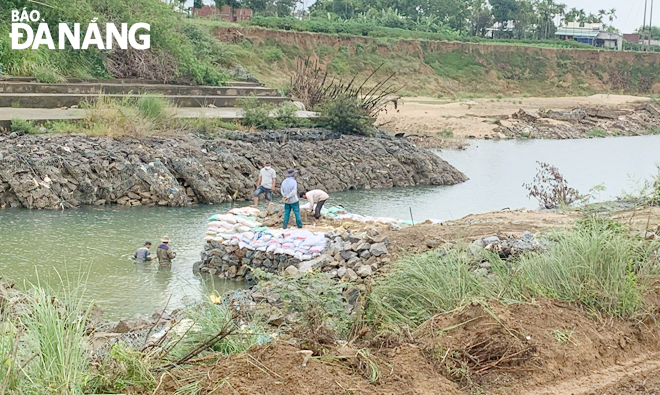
60,171
448,68
545,347
493,118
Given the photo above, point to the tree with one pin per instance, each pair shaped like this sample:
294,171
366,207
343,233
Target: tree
480,17
655,32
198,4
503,11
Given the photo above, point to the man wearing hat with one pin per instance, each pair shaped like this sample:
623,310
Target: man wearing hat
164,253
289,191
265,184
142,254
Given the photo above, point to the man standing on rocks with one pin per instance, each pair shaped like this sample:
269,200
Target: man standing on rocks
289,191
142,254
318,197
265,184
164,253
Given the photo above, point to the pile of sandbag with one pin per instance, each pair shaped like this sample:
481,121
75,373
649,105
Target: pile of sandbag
240,227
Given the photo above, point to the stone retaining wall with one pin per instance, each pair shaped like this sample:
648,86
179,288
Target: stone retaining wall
351,257
61,171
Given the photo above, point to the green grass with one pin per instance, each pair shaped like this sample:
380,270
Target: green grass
47,75
55,330
446,133
180,50
596,133
123,367
21,125
421,286
152,105
596,265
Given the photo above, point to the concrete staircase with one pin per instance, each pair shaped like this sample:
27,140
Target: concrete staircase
19,92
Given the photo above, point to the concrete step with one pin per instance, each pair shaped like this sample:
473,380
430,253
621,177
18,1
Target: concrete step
118,89
42,115
57,100
121,81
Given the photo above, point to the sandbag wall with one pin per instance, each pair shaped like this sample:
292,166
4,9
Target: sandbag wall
347,256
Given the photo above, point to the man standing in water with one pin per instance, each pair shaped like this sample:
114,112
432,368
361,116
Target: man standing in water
265,184
142,254
289,191
164,253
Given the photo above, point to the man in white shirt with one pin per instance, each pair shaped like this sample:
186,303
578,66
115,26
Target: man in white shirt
318,197
265,184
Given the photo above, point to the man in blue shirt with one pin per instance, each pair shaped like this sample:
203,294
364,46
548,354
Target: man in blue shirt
289,191
142,254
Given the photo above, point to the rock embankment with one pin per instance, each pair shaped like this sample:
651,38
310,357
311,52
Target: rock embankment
62,171
349,256
580,123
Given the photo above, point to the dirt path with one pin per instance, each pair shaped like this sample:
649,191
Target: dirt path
629,377
475,117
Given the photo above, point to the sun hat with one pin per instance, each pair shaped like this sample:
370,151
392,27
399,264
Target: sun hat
165,239
290,172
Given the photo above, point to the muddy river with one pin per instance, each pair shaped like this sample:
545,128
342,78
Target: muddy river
93,246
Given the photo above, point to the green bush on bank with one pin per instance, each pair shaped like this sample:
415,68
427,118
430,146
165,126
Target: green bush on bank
596,265
345,115
263,115
178,49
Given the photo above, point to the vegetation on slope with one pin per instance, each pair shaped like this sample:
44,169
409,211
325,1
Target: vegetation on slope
179,50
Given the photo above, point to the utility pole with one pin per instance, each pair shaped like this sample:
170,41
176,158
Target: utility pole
644,26
650,25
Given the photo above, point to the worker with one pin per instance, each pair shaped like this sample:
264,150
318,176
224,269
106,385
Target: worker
315,197
265,185
289,189
142,254
165,253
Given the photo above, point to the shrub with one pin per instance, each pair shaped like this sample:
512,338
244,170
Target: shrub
264,115
257,114
152,105
21,125
273,54
48,75
550,188
344,114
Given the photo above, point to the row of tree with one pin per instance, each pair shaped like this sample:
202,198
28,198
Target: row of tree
516,18
528,19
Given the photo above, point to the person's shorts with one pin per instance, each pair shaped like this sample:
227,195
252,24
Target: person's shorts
264,190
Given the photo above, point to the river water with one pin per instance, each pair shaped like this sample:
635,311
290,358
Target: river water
93,246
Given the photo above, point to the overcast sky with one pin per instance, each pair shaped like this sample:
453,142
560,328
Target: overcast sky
629,14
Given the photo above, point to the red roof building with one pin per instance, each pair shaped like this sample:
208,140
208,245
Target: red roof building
239,14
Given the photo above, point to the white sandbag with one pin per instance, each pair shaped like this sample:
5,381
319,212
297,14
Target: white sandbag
241,229
314,240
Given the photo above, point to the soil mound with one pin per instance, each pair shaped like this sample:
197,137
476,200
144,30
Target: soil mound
520,347
277,369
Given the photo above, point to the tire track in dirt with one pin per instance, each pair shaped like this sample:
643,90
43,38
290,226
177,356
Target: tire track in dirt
602,379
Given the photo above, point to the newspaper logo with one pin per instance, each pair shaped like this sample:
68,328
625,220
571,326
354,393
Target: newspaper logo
23,35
